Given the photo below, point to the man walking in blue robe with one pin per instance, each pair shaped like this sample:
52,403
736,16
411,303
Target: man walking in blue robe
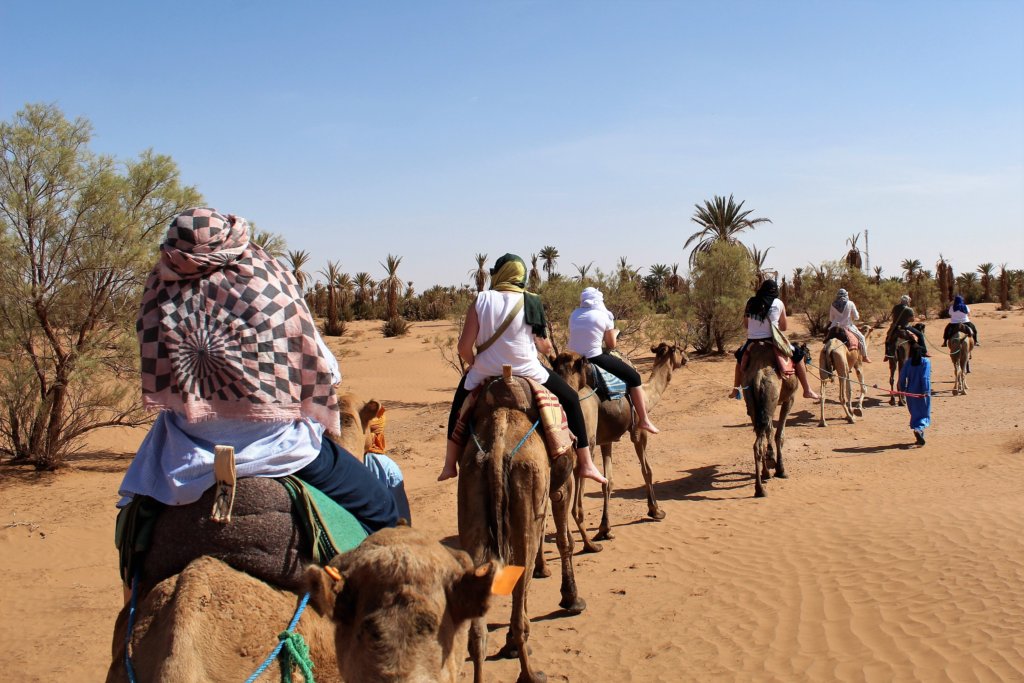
916,379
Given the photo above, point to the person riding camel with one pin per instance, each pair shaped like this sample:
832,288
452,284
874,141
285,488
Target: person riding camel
842,314
764,311
959,314
902,316
592,325
506,324
231,356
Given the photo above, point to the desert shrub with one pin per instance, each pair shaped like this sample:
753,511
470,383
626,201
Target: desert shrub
395,327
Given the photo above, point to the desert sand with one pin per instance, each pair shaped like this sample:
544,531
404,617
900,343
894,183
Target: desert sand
875,560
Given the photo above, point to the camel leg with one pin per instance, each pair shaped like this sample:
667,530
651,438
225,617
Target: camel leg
604,532
478,647
848,399
560,502
860,383
540,567
821,402
577,512
768,453
525,514
758,458
892,386
653,511
780,437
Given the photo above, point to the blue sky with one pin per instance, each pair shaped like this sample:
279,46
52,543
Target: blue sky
437,130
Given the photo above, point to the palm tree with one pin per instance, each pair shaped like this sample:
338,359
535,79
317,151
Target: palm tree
297,260
759,257
675,282
534,277
987,270
878,275
582,271
911,268
853,257
392,284
721,220
550,258
364,293
798,281
273,244
627,273
344,287
1004,287
480,272
331,273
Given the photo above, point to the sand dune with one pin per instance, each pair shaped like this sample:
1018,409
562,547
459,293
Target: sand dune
874,561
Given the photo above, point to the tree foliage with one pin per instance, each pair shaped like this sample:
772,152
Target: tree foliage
719,288
78,235
721,220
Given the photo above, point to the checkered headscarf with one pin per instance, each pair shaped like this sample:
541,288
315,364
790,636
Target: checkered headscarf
224,332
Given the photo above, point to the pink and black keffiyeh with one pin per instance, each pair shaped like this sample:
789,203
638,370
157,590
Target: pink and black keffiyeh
224,332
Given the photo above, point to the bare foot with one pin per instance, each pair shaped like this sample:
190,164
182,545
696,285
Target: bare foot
867,360
648,427
591,472
734,393
811,395
448,473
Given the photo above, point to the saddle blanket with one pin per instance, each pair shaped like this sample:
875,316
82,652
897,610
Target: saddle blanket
616,386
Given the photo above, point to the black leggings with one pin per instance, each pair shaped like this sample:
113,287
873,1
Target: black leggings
619,368
951,329
352,485
567,396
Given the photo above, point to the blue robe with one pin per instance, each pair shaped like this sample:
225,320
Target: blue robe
917,379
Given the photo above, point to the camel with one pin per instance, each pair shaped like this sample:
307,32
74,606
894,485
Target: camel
763,391
960,346
614,419
399,612
355,423
505,481
838,361
896,362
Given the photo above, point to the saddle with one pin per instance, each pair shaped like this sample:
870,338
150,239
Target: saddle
851,340
962,328
783,365
608,386
518,393
271,530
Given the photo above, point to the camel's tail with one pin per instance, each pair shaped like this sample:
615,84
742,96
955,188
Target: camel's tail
499,471
765,396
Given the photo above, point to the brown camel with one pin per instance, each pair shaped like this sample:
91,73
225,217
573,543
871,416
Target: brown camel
614,419
960,346
903,341
505,481
763,390
355,423
399,612
837,362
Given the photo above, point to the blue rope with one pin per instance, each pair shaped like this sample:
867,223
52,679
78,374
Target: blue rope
514,450
131,626
273,655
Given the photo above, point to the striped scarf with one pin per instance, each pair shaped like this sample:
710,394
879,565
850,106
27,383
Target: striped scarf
224,331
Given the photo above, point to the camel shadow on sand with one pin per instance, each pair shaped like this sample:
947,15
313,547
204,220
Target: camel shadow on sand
699,480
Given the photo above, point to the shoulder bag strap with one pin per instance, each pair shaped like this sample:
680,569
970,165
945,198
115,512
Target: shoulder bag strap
502,327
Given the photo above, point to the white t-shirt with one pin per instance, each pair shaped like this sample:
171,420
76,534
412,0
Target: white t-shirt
586,330
762,329
844,319
515,347
956,317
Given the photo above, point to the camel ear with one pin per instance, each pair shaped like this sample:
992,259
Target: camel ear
370,410
470,594
323,585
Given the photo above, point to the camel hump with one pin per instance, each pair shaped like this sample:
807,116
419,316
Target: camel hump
512,392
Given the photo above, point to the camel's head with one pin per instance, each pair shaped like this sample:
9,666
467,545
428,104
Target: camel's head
401,606
572,367
355,420
665,352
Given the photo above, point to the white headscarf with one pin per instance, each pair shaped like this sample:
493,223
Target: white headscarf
592,298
